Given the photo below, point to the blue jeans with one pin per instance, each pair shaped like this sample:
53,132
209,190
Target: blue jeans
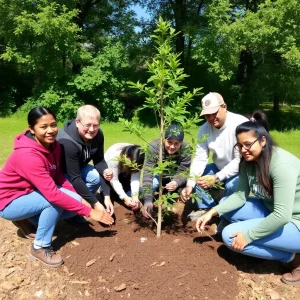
229,188
90,176
40,212
280,245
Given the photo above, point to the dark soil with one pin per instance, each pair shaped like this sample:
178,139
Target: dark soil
127,261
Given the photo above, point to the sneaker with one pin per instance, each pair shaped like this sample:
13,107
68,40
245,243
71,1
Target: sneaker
222,224
26,228
47,256
193,216
77,220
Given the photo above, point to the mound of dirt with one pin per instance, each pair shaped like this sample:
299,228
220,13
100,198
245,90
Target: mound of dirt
127,261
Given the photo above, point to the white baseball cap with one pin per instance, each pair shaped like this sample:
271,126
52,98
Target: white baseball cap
211,103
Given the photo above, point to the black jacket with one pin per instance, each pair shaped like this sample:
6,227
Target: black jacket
76,154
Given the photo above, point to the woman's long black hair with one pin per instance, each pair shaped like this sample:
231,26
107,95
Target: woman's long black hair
136,155
259,125
38,112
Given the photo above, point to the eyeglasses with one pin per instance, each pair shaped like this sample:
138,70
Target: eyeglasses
88,126
245,146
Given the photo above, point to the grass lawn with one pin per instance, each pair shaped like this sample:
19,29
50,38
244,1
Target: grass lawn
10,127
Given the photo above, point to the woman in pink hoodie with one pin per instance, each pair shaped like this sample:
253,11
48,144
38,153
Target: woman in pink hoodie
34,190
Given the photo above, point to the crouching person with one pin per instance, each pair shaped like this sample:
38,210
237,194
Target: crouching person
267,223
176,151
82,141
33,190
219,128
126,161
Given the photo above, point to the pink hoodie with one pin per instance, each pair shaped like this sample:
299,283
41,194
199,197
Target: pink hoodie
33,167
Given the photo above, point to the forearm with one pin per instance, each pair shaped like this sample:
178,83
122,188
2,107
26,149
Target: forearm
235,201
135,188
101,166
267,226
118,188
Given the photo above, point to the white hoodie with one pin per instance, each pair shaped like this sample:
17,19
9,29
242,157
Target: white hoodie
112,163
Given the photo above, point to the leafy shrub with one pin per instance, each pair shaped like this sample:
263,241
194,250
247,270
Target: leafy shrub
64,105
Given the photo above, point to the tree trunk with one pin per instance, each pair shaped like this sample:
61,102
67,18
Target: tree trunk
84,7
275,102
179,8
161,145
245,67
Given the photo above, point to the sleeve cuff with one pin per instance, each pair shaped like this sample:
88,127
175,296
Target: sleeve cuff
191,183
220,175
247,237
148,200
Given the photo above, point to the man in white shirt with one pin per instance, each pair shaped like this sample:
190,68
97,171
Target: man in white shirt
219,129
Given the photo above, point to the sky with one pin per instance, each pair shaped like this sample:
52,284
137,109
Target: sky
141,12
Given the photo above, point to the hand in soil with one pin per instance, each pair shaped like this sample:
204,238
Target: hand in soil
201,222
130,202
137,206
101,216
147,210
109,206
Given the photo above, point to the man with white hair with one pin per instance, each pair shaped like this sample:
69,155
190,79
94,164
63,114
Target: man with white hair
219,139
82,141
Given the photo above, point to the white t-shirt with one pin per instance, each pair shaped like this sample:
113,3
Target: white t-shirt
220,142
112,163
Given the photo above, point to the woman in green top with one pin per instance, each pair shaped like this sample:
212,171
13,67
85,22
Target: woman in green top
267,224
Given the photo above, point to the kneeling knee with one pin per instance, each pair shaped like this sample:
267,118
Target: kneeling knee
226,235
94,177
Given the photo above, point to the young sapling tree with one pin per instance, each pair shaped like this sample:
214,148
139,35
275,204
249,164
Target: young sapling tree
165,94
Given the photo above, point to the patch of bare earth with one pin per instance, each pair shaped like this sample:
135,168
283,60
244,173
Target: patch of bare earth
127,261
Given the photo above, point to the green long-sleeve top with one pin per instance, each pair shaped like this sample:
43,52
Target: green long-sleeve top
285,202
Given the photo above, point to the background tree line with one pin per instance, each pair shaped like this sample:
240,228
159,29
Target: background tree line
68,52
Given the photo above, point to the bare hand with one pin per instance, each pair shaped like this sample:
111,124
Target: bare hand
101,216
206,181
171,186
98,206
239,243
186,193
109,206
201,222
129,201
137,202
108,174
147,210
